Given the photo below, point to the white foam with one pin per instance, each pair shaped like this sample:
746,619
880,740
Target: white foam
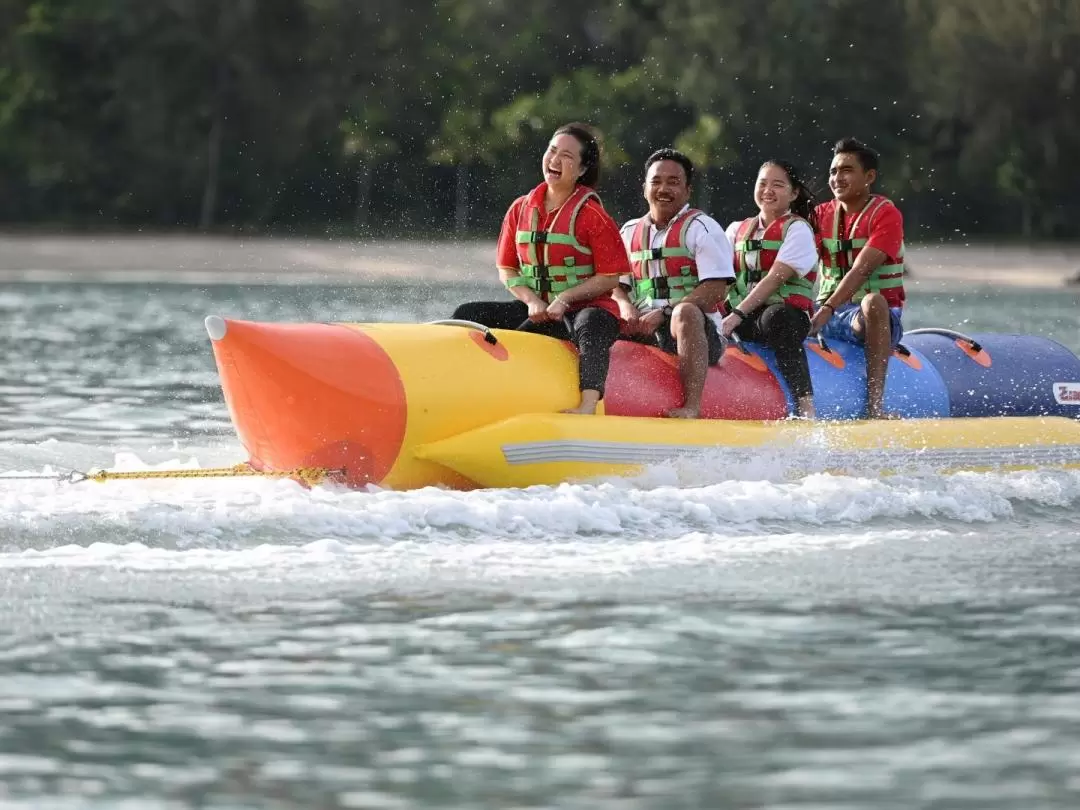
254,523
503,560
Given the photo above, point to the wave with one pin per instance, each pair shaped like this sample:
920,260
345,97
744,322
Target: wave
42,520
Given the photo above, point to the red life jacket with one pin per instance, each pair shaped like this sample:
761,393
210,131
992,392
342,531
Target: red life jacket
839,252
677,262
798,291
552,261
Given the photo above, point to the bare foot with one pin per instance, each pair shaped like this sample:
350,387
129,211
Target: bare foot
683,413
589,400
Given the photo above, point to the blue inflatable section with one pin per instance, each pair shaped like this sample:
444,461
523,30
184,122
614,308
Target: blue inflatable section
1019,380
942,376
913,389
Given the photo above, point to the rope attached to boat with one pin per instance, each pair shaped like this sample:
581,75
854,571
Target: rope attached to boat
308,476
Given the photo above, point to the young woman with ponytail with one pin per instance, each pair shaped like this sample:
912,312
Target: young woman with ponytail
776,258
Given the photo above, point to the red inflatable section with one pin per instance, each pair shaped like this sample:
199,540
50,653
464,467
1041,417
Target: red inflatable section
644,381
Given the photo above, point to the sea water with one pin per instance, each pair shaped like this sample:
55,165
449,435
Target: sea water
678,640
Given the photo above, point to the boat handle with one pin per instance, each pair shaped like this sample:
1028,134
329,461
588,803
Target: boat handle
488,335
949,333
739,344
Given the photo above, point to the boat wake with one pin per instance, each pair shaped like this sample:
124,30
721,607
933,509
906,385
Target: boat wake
43,521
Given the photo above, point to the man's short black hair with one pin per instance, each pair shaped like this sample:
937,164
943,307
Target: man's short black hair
672,154
867,157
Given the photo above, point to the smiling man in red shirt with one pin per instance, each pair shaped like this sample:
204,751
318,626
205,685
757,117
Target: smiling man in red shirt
861,243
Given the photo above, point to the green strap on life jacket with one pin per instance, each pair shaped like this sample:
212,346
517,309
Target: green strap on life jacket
654,254
664,288
757,245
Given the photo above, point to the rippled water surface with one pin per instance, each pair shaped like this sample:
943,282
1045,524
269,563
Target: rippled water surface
676,641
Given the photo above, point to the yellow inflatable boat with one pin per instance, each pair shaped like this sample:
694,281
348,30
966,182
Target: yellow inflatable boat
451,404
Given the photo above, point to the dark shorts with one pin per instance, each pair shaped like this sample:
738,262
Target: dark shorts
715,341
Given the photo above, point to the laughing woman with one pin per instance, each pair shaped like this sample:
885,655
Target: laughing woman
560,255
775,269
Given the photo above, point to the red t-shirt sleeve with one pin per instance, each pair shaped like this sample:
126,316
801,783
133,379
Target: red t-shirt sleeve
887,231
506,255
597,230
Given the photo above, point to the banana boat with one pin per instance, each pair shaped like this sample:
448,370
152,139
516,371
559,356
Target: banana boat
454,404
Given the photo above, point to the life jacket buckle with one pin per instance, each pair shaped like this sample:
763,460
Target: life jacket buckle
657,253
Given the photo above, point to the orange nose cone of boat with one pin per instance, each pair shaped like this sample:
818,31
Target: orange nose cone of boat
311,395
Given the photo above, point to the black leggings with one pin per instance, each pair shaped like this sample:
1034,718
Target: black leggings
782,328
592,329
493,314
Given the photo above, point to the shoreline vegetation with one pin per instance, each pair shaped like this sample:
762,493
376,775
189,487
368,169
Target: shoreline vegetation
185,258
337,115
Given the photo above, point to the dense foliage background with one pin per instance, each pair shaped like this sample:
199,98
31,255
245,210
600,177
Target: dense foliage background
366,116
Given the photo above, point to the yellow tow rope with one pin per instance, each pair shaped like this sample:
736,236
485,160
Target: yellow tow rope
309,476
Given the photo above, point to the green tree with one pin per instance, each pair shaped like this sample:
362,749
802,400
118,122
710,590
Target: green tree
1001,84
267,114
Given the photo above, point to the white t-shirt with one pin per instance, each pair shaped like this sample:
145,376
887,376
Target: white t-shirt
705,239
799,251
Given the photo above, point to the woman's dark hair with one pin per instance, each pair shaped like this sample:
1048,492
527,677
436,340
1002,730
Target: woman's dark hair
589,139
804,202
866,156
672,154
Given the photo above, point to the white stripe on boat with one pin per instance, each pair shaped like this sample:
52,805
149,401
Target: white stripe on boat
573,450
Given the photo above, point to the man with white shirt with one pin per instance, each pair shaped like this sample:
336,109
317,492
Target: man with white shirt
682,263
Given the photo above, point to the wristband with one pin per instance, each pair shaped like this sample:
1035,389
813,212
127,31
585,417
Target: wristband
830,306
739,312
